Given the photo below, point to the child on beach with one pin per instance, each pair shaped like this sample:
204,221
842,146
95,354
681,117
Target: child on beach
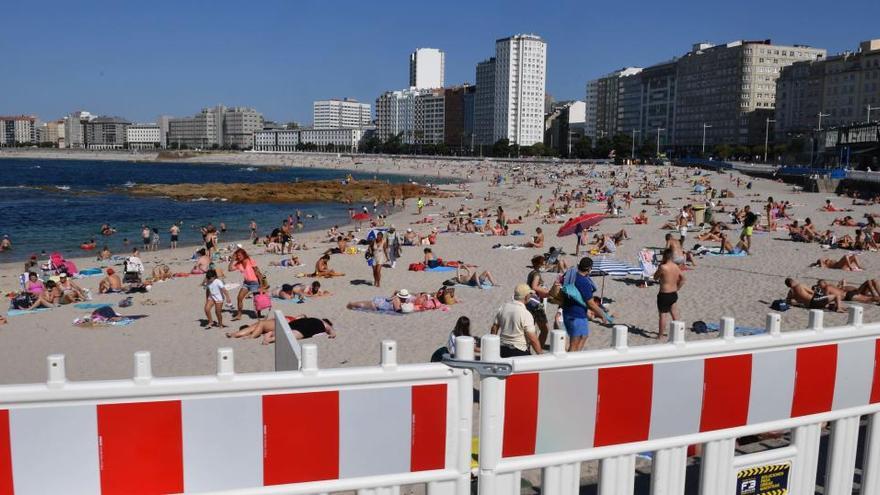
215,295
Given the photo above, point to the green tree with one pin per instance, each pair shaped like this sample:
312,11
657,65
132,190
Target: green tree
603,148
723,151
622,145
582,148
501,148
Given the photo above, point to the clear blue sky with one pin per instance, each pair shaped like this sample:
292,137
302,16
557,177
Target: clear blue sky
142,59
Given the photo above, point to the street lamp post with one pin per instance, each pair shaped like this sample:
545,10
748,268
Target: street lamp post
767,136
815,143
705,126
658,140
633,153
820,119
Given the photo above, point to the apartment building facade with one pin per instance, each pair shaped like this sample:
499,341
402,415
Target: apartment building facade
427,67
105,133
520,87
143,136
484,103
18,129
340,114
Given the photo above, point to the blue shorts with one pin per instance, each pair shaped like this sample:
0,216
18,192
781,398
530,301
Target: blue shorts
252,287
576,327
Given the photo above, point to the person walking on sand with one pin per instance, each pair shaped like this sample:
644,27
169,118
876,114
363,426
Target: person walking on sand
671,280
243,263
215,295
420,204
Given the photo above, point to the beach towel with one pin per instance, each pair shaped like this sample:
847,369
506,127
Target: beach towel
296,300
90,272
715,252
91,305
87,322
738,331
17,312
441,269
487,285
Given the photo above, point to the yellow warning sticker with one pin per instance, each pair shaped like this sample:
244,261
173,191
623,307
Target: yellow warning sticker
770,479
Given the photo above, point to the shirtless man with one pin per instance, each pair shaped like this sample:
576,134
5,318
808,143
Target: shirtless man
537,240
5,243
865,293
671,280
464,276
203,263
728,248
111,283
679,256
807,298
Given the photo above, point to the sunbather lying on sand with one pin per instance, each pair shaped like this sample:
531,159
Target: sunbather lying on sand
868,292
464,276
847,262
301,326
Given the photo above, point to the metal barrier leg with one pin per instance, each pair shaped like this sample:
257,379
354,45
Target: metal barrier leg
871,461
803,471
840,466
617,475
716,475
668,471
564,479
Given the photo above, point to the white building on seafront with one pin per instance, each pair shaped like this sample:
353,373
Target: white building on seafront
346,113
520,86
426,68
143,136
289,140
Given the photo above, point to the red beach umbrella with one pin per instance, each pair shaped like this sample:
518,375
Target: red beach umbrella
360,217
586,221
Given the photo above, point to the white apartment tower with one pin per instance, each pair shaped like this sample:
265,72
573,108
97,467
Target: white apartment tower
520,85
426,68
340,114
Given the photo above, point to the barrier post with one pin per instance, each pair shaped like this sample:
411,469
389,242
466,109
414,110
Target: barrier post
803,470
716,473
57,376
668,471
617,475
225,364
492,426
871,460
841,458
143,368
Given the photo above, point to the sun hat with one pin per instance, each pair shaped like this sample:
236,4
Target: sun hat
402,293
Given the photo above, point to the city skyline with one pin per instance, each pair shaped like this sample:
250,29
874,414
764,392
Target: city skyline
164,62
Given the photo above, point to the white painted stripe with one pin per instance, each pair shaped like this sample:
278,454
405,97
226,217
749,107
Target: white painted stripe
677,398
855,374
223,443
55,450
566,410
772,388
374,431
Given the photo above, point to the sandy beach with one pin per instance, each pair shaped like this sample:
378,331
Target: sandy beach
742,287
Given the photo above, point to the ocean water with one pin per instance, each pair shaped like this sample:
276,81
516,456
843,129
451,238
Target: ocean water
56,205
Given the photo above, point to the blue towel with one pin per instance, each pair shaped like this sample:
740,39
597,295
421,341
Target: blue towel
17,312
738,331
735,255
441,269
90,272
91,305
293,300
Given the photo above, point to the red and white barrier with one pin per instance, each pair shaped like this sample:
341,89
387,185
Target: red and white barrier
558,410
297,432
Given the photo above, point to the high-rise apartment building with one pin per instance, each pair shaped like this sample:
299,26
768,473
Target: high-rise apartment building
484,103
657,102
143,136
105,133
730,90
74,129
841,87
458,128
18,129
590,114
429,117
614,98
52,133
216,127
426,68
340,114
395,114
520,86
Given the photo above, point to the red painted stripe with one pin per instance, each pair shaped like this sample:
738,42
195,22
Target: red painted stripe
814,380
428,449
875,388
623,405
726,384
520,415
141,447
300,437
6,486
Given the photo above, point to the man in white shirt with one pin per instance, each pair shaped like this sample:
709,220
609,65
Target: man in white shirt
516,326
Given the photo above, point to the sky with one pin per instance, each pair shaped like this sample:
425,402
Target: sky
139,60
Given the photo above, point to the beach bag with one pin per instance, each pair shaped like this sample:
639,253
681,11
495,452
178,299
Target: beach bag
779,305
262,301
555,294
572,294
416,267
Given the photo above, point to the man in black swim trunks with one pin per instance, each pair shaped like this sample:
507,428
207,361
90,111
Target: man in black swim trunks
671,280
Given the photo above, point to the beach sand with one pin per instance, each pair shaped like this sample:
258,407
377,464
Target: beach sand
742,287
